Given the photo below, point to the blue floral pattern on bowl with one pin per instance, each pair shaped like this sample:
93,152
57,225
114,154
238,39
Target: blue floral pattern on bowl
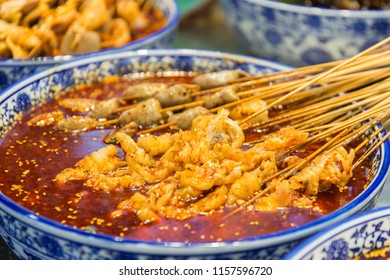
34,237
350,239
298,36
12,70
30,243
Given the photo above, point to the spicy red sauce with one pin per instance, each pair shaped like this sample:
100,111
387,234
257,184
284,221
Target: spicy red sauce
33,156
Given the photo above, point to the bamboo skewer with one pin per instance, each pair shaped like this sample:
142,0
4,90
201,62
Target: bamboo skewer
341,111
327,104
343,137
372,135
371,150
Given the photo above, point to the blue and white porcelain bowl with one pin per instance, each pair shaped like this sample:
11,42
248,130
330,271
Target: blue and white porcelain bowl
12,70
349,239
298,35
32,236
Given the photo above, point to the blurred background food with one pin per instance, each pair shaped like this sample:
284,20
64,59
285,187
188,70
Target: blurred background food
38,34
33,28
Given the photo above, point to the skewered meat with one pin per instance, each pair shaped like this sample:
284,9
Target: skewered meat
330,168
218,79
130,129
104,108
143,113
221,97
45,119
76,124
184,119
144,91
167,95
78,104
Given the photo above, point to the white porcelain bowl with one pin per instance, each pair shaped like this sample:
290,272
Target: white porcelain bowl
12,70
298,35
32,236
349,239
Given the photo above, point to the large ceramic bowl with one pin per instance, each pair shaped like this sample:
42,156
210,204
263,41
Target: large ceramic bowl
298,35
32,236
353,238
12,70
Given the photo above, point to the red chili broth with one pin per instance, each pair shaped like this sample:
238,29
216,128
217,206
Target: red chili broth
32,156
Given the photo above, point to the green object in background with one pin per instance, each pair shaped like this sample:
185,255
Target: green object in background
187,6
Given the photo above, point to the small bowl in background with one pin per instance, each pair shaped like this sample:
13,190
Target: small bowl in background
299,35
12,70
348,239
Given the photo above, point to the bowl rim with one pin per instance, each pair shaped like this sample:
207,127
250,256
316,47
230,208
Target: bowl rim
316,11
179,248
304,248
172,23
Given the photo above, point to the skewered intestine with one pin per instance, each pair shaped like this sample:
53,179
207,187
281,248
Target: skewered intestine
102,161
330,168
247,108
